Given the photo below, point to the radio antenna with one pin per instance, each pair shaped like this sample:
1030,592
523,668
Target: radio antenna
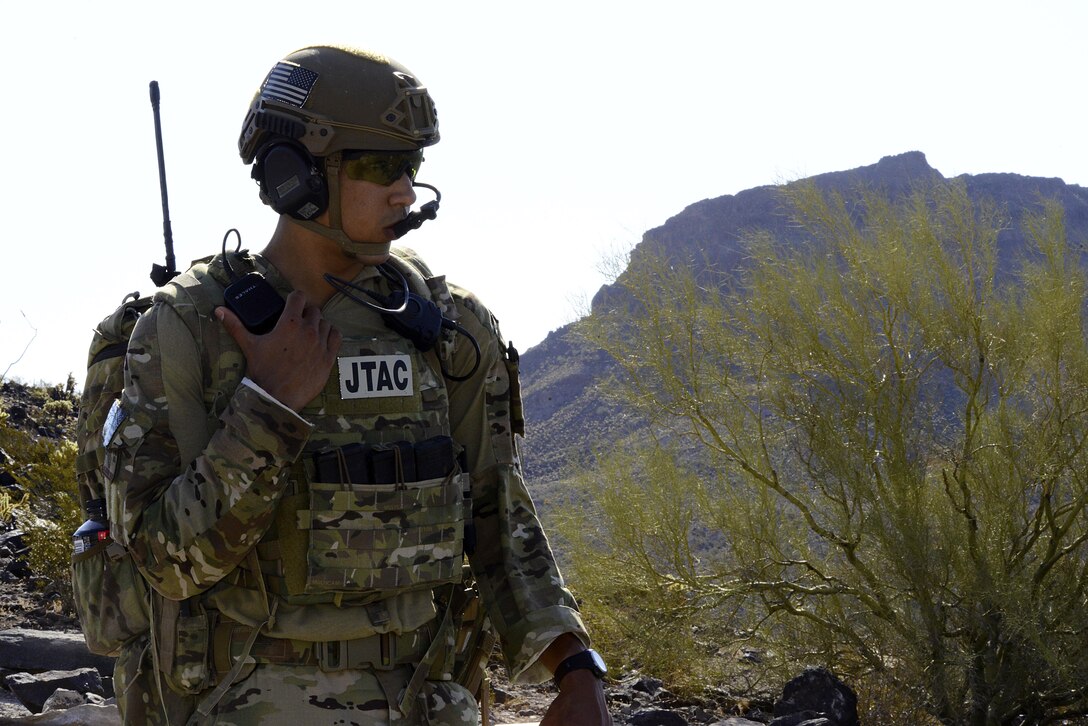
161,275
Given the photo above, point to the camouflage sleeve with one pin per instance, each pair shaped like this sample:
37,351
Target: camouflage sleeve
513,562
192,494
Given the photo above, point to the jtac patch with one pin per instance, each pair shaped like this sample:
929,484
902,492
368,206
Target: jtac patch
375,376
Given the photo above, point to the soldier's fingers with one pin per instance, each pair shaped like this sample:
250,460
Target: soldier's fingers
293,308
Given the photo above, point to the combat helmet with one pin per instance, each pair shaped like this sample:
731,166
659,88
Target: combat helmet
318,102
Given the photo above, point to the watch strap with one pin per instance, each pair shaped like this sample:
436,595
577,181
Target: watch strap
586,660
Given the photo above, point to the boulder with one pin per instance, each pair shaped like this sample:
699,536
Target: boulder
63,699
23,649
819,697
34,689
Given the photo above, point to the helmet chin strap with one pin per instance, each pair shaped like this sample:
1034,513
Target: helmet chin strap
335,228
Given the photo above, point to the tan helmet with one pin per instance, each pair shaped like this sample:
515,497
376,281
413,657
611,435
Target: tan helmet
331,98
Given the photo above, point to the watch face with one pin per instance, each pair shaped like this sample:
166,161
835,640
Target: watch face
598,662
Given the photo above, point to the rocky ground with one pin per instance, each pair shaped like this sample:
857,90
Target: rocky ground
30,602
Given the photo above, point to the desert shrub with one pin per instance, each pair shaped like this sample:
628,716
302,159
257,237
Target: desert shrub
61,408
50,483
868,452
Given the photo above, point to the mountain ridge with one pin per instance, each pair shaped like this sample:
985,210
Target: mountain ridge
566,415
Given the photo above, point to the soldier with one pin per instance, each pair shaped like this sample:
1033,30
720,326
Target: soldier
303,454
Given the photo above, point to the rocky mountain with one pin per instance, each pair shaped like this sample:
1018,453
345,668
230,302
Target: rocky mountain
563,378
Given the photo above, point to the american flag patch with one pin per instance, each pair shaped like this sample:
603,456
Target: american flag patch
288,83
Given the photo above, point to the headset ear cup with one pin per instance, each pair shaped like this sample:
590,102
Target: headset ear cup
291,181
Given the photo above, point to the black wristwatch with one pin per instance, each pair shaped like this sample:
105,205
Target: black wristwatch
588,659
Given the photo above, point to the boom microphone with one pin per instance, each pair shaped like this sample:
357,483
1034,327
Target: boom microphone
415,220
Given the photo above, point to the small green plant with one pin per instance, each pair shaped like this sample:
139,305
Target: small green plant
59,409
9,505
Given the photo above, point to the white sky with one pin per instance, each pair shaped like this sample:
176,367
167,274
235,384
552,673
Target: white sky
568,128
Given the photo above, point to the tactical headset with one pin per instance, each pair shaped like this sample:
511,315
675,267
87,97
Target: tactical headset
291,179
293,182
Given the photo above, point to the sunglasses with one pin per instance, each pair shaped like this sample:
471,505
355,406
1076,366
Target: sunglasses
381,167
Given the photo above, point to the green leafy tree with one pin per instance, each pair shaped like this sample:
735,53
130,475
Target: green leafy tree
868,453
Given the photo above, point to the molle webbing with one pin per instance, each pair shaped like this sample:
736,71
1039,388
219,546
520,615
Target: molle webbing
338,539
384,537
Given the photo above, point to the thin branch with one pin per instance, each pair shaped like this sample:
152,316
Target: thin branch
25,348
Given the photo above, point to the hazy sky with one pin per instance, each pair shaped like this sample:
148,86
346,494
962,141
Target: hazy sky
568,129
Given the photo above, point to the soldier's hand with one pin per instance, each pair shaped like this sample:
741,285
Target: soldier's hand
293,360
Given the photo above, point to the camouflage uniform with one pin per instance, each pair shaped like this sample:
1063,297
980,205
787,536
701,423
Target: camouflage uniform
204,462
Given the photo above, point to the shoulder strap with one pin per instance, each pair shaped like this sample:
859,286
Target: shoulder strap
200,289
